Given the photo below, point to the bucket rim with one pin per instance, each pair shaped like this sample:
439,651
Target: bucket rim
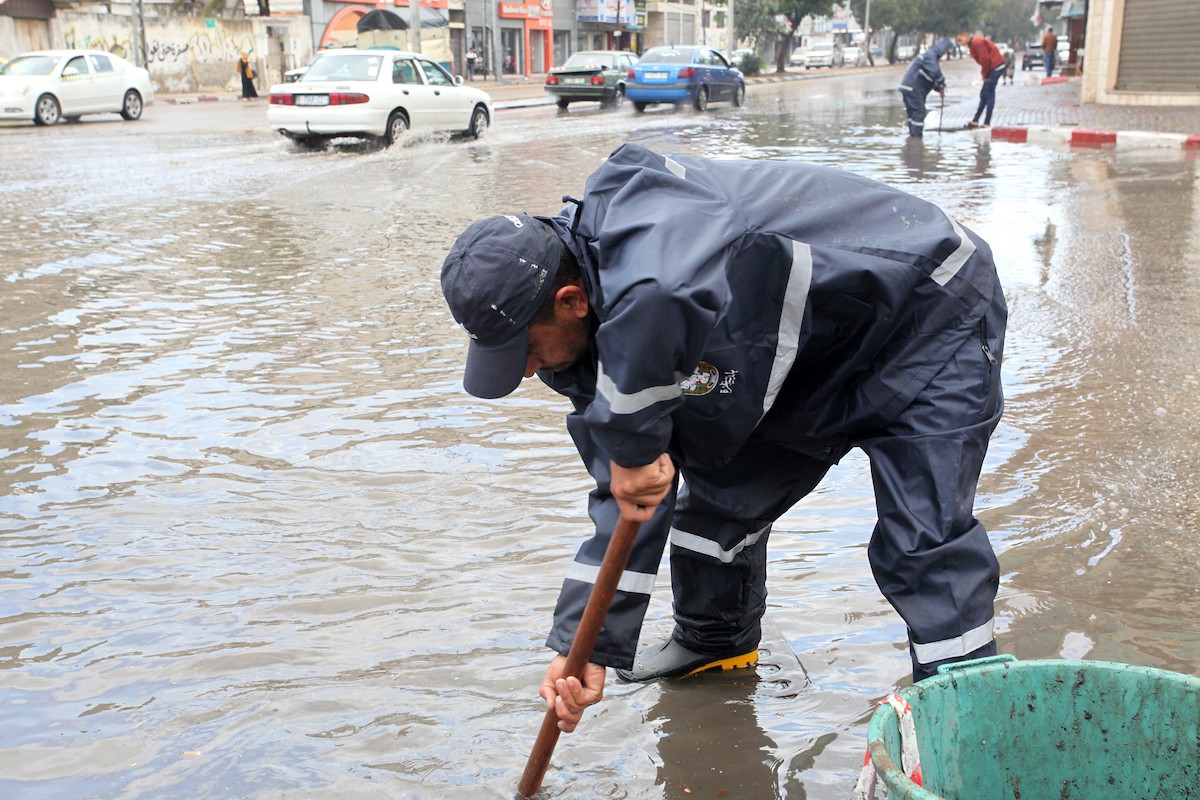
885,715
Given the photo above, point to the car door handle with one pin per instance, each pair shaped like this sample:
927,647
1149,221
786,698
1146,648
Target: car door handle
438,92
404,91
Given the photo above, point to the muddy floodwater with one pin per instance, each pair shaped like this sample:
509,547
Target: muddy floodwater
256,541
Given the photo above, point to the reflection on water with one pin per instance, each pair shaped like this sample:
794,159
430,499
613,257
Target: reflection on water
257,542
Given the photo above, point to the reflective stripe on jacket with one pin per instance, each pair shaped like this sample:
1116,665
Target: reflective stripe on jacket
803,302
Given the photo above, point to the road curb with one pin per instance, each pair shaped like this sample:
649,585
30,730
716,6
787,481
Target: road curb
204,98
1077,137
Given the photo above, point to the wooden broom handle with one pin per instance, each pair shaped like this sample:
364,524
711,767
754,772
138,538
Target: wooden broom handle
611,568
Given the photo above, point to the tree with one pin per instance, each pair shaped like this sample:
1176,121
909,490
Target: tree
757,21
794,11
943,17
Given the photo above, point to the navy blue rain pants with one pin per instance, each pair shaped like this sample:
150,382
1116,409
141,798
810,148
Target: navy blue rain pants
914,109
987,95
930,557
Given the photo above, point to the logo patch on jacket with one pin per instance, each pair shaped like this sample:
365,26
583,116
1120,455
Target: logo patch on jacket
702,381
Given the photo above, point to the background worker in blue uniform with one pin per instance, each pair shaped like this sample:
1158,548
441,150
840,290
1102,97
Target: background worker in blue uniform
747,322
924,75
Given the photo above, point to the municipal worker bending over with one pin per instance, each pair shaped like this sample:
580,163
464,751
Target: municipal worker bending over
924,75
747,323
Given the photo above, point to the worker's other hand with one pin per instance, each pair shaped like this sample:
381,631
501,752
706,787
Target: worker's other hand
569,696
942,95
639,490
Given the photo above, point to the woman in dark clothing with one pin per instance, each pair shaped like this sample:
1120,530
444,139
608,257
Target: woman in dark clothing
246,73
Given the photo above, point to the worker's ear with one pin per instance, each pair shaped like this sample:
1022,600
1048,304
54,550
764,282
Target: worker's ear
572,301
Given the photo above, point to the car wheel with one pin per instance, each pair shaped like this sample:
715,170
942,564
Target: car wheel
619,97
639,107
739,95
397,126
563,103
310,142
701,100
47,111
479,122
131,106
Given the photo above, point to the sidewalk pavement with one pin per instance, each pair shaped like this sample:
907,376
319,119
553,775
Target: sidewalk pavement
1032,109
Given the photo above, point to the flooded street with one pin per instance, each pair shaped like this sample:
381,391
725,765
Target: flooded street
257,542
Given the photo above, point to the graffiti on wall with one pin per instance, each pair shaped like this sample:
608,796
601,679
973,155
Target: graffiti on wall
213,45
73,40
187,54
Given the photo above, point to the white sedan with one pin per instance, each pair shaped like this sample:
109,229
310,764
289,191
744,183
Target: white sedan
50,85
375,93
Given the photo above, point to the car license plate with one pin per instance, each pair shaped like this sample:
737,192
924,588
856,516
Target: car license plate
656,76
312,99
574,80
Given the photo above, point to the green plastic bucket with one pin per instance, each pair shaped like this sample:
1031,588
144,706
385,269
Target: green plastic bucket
1045,730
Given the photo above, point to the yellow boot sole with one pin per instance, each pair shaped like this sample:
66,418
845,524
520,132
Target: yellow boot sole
733,662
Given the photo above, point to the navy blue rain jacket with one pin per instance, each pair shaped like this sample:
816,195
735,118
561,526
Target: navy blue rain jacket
925,72
802,303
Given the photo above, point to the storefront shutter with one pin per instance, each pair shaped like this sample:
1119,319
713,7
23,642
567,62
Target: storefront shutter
1159,51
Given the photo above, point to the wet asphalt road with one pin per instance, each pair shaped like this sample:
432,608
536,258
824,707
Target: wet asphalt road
257,542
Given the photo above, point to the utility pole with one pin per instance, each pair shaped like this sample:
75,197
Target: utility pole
139,33
731,29
414,25
617,27
494,44
867,25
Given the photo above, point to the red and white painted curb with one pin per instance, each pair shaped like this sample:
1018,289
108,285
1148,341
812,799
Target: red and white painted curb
1078,137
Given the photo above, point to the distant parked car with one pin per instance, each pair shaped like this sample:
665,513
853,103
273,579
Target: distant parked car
1032,58
375,94
796,59
687,73
905,52
46,86
824,54
854,56
596,75
738,55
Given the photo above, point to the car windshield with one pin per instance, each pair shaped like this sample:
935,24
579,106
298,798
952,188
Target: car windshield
820,48
606,60
358,67
29,65
667,55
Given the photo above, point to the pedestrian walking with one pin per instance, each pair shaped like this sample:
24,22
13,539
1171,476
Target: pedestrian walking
472,59
924,75
1010,64
814,311
987,55
246,73
1049,51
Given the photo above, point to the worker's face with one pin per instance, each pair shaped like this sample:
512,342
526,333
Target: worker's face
559,344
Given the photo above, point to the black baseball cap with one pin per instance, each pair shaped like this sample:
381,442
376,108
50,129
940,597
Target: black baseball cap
498,274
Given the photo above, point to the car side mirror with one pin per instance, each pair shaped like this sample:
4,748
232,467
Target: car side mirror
458,80
70,72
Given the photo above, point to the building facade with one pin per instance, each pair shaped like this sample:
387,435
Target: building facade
1138,52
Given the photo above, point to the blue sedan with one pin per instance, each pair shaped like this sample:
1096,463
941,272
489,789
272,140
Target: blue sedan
682,74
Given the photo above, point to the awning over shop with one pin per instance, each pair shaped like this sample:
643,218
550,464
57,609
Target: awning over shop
1074,8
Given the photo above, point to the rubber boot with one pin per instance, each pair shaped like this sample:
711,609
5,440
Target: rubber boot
672,660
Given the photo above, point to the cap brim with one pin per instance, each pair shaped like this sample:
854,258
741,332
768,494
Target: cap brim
494,372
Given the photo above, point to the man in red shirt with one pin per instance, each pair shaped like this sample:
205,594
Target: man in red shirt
991,62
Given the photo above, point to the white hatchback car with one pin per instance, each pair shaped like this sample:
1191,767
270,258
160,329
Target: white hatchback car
375,94
47,86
